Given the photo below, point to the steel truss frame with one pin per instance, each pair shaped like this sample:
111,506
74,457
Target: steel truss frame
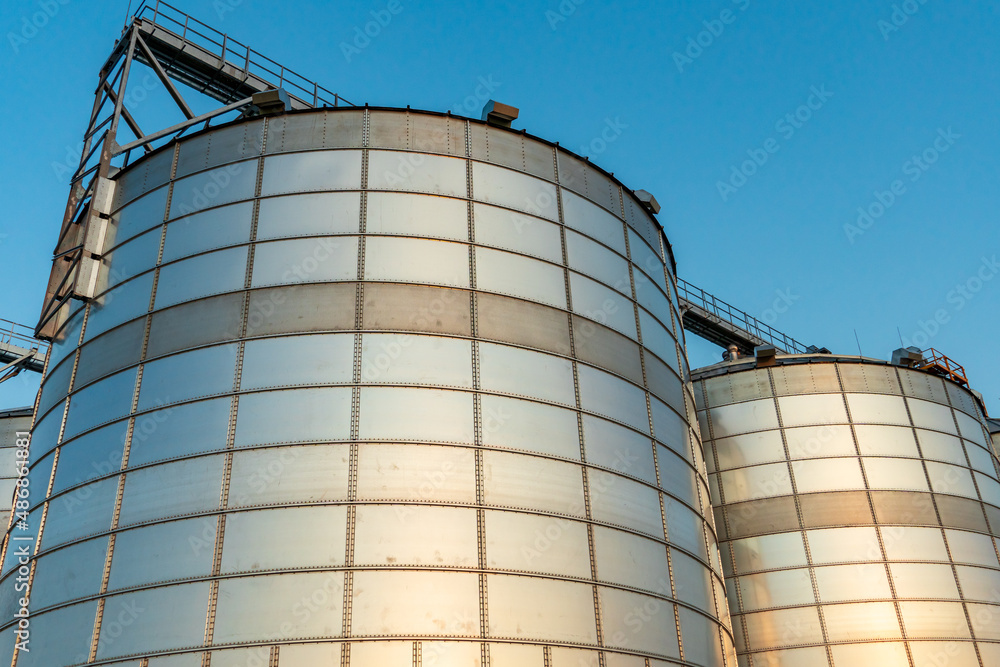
179,49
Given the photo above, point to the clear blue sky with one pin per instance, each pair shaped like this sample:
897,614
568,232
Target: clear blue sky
883,90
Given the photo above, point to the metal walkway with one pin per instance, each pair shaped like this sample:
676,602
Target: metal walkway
20,350
718,322
216,65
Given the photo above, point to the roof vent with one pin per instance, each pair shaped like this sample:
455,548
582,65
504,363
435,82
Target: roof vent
648,201
766,355
271,101
907,356
501,115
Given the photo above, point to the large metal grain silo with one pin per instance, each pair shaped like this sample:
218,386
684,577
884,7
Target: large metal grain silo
372,387
858,507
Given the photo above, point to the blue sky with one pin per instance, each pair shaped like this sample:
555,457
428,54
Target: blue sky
761,130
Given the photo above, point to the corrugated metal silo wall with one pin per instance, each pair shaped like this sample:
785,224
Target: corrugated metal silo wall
374,387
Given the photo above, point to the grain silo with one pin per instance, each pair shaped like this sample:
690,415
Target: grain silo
371,387
858,506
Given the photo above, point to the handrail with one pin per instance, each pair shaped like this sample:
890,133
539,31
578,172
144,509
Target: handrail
946,365
740,318
164,15
12,332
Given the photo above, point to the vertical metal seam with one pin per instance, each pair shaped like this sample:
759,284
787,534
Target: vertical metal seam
96,638
944,537
409,129
965,453
584,471
477,405
708,524
652,437
159,254
871,505
254,217
119,496
798,512
213,600
726,523
220,530
72,380
176,148
927,476
55,461
352,482
673,594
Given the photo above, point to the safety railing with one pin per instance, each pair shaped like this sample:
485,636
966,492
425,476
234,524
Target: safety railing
190,29
19,335
739,318
935,361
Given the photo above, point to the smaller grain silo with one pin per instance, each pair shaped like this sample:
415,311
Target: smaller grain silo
858,506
